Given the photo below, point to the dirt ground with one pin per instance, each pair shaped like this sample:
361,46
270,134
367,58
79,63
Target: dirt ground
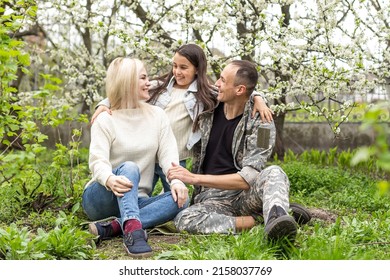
114,250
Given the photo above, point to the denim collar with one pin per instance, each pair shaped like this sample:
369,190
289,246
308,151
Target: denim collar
192,88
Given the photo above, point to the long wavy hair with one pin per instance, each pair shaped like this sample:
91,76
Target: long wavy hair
206,94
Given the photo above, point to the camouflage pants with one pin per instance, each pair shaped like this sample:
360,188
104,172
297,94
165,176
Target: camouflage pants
217,214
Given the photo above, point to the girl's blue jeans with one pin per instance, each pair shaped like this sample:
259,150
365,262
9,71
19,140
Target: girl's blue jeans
99,203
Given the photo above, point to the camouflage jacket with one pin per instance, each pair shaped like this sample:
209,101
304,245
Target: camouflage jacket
252,146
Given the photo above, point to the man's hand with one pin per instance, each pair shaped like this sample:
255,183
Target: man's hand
119,185
181,173
179,193
232,181
99,110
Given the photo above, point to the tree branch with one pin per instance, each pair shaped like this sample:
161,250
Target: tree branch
140,12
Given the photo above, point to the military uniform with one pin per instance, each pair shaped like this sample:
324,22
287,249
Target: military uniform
215,210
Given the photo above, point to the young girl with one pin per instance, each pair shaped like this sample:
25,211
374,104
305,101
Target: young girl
123,151
185,93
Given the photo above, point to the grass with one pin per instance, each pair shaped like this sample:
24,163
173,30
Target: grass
351,221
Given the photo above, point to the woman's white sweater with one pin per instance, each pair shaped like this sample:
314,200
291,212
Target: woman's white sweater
143,136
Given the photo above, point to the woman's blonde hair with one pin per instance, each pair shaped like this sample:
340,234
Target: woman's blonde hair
122,83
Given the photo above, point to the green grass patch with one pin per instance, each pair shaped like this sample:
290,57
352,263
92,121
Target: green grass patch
351,220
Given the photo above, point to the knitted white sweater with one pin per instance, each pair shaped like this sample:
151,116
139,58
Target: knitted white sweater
138,135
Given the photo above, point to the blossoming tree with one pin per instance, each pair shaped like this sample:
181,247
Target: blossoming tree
309,53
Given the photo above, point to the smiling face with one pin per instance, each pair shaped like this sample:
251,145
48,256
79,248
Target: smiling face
225,84
183,71
143,84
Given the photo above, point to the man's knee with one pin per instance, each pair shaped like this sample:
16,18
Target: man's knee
271,177
192,219
272,173
274,169
183,219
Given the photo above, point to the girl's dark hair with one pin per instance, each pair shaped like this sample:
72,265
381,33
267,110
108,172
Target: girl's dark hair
206,91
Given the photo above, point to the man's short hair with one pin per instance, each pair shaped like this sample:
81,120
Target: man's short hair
246,75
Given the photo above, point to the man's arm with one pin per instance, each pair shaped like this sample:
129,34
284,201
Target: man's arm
227,182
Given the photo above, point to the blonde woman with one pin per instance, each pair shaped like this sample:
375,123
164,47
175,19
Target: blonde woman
124,147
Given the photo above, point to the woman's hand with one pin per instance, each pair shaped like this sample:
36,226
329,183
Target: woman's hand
179,192
261,107
119,185
99,110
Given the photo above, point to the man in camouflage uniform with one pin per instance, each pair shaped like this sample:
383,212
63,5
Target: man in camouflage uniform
232,185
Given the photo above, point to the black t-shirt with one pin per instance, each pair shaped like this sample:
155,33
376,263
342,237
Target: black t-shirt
219,156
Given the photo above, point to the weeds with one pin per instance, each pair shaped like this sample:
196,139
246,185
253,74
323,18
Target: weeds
361,229
360,232
65,240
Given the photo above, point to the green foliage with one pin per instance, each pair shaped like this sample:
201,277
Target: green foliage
309,178
17,123
331,158
248,245
325,243
70,165
333,187
360,232
380,150
45,219
31,180
21,120
320,180
16,244
65,241
350,238
12,58
359,237
10,210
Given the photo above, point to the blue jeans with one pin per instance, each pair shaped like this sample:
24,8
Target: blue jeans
99,203
159,174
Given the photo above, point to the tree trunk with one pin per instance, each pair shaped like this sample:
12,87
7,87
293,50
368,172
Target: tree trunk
279,119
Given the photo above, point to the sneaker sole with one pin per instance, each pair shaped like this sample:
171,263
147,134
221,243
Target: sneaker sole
93,229
138,256
284,226
300,213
